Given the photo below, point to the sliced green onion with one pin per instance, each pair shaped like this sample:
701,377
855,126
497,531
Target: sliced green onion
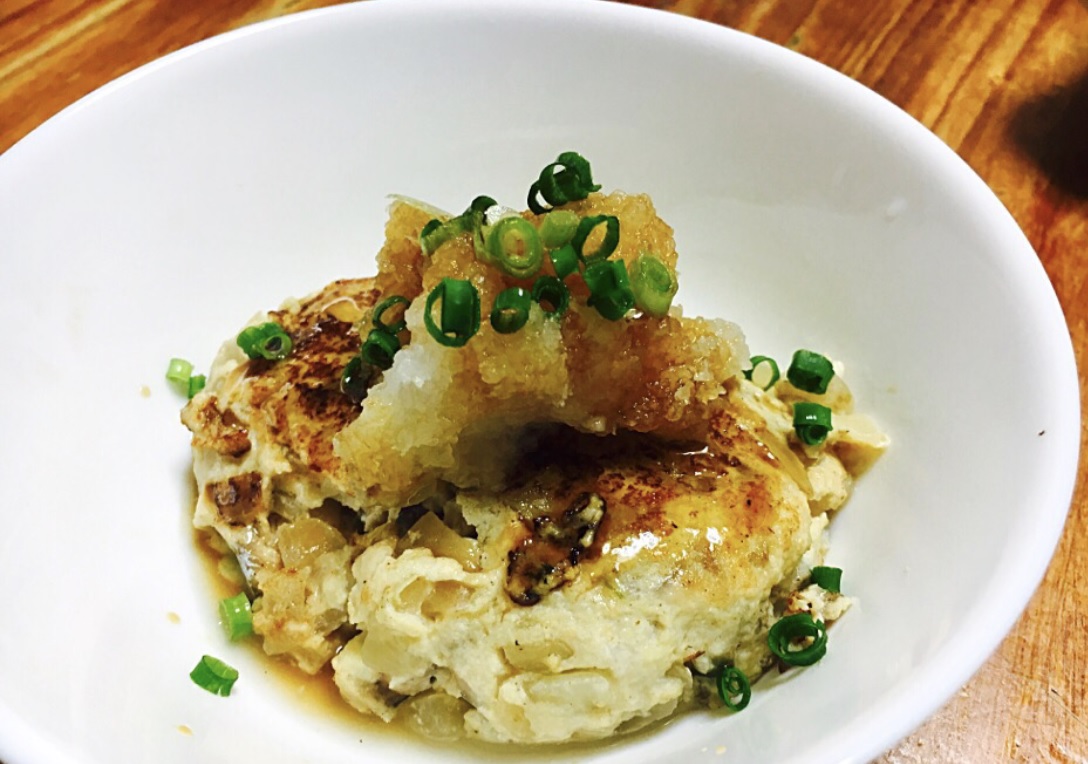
236,616
214,676
568,179
178,373
609,288
480,205
514,246
828,579
434,235
811,422
355,379
734,688
798,640
653,285
564,260
383,306
267,340
196,384
459,316
379,348
558,227
608,245
510,311
551,295
810,372
764,371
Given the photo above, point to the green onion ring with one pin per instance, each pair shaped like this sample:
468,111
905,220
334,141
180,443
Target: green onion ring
514,246
549,290
792,628
196,384
811,422
653,284
568,179
379,348
178,374
510,311
609,288
214,676
564,261
769,363
557,228
386,304
608,245
827,578
434,235
236,616
355,379
731,683
459,315
810,372
267,340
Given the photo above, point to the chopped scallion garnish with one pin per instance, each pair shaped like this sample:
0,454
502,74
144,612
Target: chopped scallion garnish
459,316
178,373
557,228
551,295
827,578
608,244
267,340
355,379
510,311
236,616
734,688
609,288
568,179
764,372
214,676
811,422
196,384
379,348
653,285
564,260
810,372
387,304
798,640
514,246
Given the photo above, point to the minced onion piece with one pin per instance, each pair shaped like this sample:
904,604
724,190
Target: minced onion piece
810,372
653,284
510,310
732,682
795,628
609,288
811,422
178,373
514,247
828,578
550,290
379,348
608,244
268,341
459,317
387,304
236,616
764,372
214,675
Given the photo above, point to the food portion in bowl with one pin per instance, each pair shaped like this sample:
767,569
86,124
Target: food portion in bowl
509,492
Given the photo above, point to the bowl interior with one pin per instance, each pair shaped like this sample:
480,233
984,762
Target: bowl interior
156,216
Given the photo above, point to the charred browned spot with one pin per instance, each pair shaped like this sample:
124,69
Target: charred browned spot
220,431
239,499
548,556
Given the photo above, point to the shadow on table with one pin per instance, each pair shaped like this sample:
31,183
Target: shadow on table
1053,131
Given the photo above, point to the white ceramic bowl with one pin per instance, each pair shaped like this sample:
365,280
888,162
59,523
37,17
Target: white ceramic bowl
153,217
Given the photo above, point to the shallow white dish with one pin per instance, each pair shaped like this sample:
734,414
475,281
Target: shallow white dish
155,216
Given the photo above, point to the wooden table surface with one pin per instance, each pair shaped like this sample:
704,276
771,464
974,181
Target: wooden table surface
1003,82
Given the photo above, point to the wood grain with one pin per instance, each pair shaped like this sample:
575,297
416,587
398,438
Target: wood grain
1003,82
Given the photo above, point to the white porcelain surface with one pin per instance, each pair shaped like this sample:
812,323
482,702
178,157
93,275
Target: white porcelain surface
154,217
